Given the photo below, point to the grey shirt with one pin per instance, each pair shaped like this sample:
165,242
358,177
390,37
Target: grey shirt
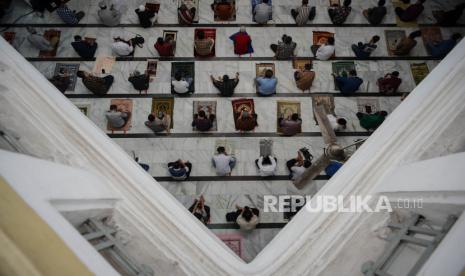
262,13
110,17
116,119
40,42
222,164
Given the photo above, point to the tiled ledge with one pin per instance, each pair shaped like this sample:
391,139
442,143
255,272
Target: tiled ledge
236,178
230,134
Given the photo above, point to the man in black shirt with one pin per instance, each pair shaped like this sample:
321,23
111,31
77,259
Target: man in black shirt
226,85
375,15
84,48
146,17
139,81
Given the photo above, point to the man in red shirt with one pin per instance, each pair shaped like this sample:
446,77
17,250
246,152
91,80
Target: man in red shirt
242,42
185,15
390,83
223,9
165,48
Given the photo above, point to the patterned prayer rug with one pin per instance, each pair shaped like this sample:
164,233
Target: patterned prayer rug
284,111
419,71
234,242
242,104
165,105
392,38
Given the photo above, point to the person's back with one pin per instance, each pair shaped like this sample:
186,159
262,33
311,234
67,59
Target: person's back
304,79
185,15
262,13
140,81
325,51
241,43
390,83
376,15
224,10
96,85
121,48
158,123
412,12
291,126
145,16
204,46
179,170
338,15
303,13
109,17
450,18
266,85
116,119
201,122
285,50
441,49
226,86
348,85
180,85
222,164
371,121
404,46
247,220
164,48
83,48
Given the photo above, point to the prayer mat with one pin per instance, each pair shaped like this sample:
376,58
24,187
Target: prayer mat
260,69
165,105
191,4
326,101
105,63
430,35
187,70
173,35
334,3
229,147
266,147
123,105
419,71
84,108
68,68
234,242
342,68
320,38
209,107
155,7
392,38
256,2
240,104
152,65
284,110
9,36
209,33
368,105
49,34
233,15
299,63
400,23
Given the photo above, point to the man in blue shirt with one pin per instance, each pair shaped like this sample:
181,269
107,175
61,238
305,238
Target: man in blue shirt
348,85
266,86
67,15
85,49
442,48
179,169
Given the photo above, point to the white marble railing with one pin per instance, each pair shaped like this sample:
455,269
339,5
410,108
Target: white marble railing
52,128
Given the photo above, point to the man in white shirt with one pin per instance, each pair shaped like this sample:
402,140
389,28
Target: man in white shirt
266,165
109,16
337,123
247,218
297,166
122,48
262,12
223,163
181,85
324,52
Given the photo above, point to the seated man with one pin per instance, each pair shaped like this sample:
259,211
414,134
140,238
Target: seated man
266,86
110,17
181,84
370,122
246,121
97,85
297,166
226,85
202,122
84,48
223,9
242,42
411,13
159,122
203,46
180,170
116,118
222,162
337,123
389,84
362,50
304,78
165,48
348,85
200,210
40,42
247,218
146,17
122,47
140,81
440,49
67,15
375,15
185,15
325,51
338,14
285,49
61,81
266,165
290,126
262,12
406,44
303,14
449,18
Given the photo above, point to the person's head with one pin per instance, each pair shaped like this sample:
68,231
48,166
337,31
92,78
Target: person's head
102,5
287,39
151,118
375,39
266,160
178,76
347,3
307,163
308,66
202,114
383,113
269,73
456,36
221,150
353,73
304,2
77,38
113,107
136,73
160,40
201,35
141,8
342,122
295,117
395,74
330,40
247,213
177,165
242,29
81,74
381,3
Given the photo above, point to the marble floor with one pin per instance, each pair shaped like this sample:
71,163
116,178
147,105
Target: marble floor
223,193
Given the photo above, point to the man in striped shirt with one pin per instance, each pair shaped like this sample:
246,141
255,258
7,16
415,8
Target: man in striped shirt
303,14
284,49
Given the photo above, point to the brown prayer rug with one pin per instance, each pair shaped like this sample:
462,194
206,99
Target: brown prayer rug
392,39
165,105
284,111
419,71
